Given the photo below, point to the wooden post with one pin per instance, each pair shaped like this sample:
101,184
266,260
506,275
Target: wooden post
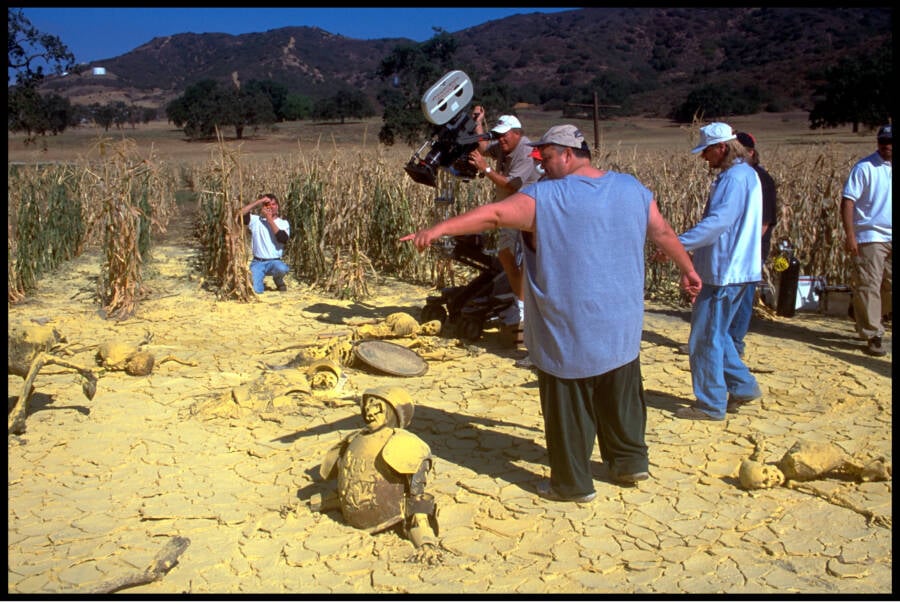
596,108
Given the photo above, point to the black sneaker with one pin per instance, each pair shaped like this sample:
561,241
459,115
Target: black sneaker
629,478
545,490
875,347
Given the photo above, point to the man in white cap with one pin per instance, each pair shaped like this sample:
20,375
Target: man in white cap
515,169
727,253
585,318
866,208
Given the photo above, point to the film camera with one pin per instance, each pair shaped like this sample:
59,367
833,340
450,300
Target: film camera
445,105
469,308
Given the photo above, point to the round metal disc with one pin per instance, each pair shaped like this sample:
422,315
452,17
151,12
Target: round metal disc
391,358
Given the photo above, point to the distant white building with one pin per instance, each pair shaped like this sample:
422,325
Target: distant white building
99,71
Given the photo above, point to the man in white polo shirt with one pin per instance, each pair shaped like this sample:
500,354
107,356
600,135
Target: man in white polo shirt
866,215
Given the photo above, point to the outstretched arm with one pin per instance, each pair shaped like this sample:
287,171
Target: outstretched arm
516,212
661,233
421,524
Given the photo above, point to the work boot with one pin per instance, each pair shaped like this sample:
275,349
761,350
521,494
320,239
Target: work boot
524,363
510,316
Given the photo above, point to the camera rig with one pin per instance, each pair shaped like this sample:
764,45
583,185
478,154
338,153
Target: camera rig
445,105
469,308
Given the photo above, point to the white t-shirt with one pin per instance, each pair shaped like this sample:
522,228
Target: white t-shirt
869,186
262,241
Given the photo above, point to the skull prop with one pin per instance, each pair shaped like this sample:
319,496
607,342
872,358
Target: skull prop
756,475
118,355
113,355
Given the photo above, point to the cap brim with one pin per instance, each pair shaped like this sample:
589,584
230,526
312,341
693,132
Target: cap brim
501,129
699,148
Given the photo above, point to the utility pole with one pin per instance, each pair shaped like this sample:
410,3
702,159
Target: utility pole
596,106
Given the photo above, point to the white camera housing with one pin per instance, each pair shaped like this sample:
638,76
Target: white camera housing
447,97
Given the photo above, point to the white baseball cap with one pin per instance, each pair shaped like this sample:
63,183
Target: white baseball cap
717,132
506,123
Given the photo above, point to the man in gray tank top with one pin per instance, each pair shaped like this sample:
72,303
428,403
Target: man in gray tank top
584,319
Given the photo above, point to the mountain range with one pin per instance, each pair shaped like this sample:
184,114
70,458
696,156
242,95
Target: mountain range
658,55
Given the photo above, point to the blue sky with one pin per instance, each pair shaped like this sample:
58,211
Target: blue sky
94,34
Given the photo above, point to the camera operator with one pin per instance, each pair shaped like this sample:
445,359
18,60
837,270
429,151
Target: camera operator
515,168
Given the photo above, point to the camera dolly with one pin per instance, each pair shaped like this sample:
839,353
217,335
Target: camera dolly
470,308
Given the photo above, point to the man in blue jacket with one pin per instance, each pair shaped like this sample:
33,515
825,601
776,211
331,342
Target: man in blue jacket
726,246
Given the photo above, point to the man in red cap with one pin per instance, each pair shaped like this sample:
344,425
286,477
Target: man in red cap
741,323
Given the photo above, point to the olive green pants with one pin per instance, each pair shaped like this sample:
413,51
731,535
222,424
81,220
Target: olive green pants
610,408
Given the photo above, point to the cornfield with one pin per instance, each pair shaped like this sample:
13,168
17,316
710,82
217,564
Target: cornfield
114,199
808,179
348,209
347,212
223,255
45,228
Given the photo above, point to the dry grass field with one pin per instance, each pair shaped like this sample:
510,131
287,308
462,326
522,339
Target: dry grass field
350,199
771,131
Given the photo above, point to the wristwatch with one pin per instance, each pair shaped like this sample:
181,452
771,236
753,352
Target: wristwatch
488,170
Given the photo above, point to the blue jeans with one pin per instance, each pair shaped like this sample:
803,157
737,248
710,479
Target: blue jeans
260,268
740,325
716,367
